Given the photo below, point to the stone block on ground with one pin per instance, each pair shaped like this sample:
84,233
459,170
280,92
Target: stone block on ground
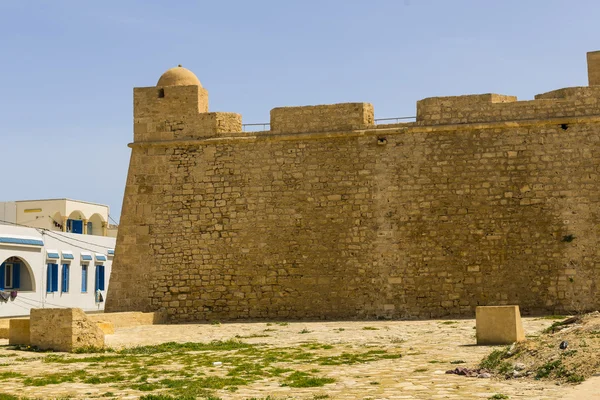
499,325
63,329
4,329
18,332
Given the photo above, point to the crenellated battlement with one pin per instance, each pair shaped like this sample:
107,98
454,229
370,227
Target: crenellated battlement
576,101
177,108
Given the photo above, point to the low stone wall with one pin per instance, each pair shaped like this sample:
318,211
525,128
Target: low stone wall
63,329
129,319
19,332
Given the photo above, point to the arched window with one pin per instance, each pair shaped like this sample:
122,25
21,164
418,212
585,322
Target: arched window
15,274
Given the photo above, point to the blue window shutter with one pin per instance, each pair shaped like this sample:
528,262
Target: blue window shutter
102,277
84,278
55,277
97,280
49,278
65,278
16,275
2,276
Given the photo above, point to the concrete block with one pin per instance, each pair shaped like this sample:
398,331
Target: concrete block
18,331
499,325
63,329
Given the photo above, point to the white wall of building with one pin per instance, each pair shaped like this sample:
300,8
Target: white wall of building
35,260
8,211
52,214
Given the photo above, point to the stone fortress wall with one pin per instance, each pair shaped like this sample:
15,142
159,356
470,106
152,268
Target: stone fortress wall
484,200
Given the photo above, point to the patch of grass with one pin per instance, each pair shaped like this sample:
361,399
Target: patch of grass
434,362
448,322
54,379
458,362
545,370
304,331
340,329
276,371
317,346
498,396
553,328
302,379
9,375
505,367
93,349
348,358
369,328
561,317
61,359
374,383
493,360
173,347
108,394
282,323
420,370
215,322
254,335
110,378
575,378
4,396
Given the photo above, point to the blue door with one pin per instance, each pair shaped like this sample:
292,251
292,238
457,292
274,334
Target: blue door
77,226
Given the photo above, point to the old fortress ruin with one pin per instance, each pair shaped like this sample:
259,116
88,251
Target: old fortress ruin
484,200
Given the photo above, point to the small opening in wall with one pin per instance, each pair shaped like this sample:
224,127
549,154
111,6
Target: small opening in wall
381,141
564,127
161,93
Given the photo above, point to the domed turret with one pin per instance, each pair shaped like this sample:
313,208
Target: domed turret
178,76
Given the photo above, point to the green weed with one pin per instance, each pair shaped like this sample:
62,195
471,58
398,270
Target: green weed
302,379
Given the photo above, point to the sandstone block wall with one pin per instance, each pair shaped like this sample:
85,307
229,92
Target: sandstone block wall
330,117
492,107
484,201
63,329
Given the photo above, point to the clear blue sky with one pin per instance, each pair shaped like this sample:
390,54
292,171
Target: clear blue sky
68,68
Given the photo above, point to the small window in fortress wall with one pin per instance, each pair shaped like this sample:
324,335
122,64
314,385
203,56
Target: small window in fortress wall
161,93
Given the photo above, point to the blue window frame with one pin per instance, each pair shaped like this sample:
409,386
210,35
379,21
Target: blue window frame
65,278
75,226
52,278
99,277
10,275
84,278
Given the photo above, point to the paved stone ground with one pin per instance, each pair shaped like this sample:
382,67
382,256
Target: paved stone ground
428,348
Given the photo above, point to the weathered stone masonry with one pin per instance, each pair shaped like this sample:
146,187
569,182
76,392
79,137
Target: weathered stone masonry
485,200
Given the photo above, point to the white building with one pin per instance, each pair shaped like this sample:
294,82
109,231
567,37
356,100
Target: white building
73,216
42,268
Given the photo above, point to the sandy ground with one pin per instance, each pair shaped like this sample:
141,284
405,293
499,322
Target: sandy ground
428,349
